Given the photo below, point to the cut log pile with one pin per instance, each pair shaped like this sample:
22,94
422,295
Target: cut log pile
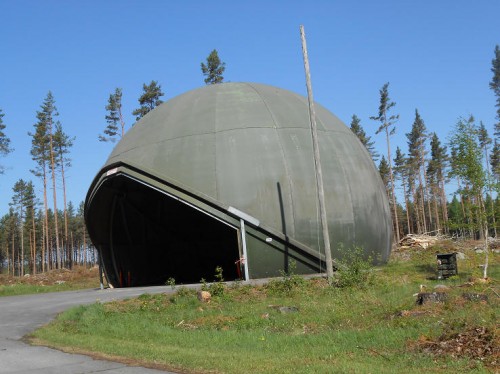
493,243
414,240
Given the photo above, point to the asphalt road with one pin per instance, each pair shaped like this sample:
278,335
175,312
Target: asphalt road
20,315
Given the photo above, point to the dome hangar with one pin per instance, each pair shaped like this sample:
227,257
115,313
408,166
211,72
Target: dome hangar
224,175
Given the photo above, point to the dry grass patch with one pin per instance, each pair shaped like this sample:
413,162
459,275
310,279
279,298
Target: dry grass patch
475,342
53,280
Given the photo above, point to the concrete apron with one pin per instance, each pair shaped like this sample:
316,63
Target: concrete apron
20,315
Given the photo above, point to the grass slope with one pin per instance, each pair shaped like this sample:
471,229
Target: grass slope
297,326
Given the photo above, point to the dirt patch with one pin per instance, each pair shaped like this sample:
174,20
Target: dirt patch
478,343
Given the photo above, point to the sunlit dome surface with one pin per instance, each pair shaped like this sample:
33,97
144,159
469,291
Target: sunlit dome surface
235,147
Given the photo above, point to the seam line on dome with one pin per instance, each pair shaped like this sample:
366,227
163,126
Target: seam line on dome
285,163
226,130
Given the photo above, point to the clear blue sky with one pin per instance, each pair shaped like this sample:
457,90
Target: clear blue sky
435,54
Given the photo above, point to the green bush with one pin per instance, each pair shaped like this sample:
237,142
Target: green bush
218,287
354,269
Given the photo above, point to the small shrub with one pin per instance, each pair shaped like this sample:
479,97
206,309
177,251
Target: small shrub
355,270
171,282
288,283
218,287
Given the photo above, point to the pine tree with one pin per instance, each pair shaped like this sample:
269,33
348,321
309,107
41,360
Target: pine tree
387,124
495,163
214,68
149,100
455,216
358,130
114,118
31,205
40,153
4,243
495,85
11,233
383,169
4,141
416,150
23,198
49,113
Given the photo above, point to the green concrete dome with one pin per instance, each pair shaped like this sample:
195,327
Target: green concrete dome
227,170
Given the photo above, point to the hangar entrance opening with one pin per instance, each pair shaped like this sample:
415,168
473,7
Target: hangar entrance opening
154,237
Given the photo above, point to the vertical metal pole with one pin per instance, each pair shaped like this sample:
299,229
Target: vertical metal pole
244,245
317,160
100,270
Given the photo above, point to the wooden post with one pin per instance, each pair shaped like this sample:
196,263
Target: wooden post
317,161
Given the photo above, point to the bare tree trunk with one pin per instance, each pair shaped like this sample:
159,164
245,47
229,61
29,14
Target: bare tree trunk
53,262
68,249
470,218
426,194
45,249
462,204
72,246
444,205
391,176
30,262
416,207
84,247
486,256
8,256
34,243
53,169
407,207
46,211
422,196
436,210
13,257
122,122
50,254
491,193
22,242
484,224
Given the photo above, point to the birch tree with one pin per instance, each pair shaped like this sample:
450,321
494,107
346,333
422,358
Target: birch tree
468,166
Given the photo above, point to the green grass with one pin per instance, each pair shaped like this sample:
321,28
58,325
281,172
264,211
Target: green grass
26,289
335,330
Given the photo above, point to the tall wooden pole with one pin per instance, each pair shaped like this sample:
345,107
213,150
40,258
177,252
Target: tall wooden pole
317,161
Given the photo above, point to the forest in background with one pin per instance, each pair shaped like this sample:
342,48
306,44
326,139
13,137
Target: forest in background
34,239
